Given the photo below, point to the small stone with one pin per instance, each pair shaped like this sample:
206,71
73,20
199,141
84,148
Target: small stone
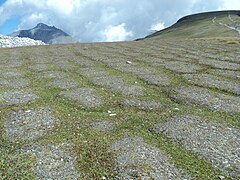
112,114
221,177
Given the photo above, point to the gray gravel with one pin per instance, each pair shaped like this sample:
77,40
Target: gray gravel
152,60
129,90
85,97
108,81
64,65
138,70
117,84
141,104
83,62
204,97
181,67
92,72
102,126
213,82
220,64
17,97
219,143
28,124
157,79
226,73
11,64
54,161
14,83
39,67
139,160
10,73
64,83
52,75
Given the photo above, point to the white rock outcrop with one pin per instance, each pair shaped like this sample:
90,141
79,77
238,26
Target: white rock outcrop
7,41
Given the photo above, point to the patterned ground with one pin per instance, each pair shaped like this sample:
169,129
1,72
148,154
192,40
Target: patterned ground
129,110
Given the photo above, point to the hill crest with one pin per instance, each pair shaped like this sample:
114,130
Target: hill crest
203,25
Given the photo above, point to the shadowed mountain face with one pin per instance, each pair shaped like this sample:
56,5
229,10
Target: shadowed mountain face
47,34
203,25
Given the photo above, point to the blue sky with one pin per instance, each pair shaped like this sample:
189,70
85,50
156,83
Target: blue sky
103,20
2,1
10,25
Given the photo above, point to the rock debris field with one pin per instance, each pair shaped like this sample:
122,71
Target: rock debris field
130,110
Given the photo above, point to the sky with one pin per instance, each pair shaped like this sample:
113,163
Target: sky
103,20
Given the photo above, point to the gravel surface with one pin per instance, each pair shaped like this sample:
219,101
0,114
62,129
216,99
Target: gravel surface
226,73
213,82
83,63
138,70
102,126
52,75
64,83
219,143
17,97
86,97
181,67
64,65
156,79
28,124
139,160
108,81
141,104
204,97
220,64
39,67
92,72
129,90
152,60
54,161
10,73
12,63
14,83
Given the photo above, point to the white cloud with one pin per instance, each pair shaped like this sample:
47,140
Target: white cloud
231,5
105,20
31,21
157,27
116,33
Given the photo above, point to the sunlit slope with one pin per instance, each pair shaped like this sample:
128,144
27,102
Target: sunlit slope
211,24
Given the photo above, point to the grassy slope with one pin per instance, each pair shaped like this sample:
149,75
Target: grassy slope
91,147
202,25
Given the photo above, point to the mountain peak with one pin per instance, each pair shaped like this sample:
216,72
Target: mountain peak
47,34
42,25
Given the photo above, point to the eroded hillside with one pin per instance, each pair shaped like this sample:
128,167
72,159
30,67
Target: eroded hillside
131,110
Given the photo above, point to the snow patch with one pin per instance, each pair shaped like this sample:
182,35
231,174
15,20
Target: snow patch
7,41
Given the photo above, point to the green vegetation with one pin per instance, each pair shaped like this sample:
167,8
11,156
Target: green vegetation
205,25
42,65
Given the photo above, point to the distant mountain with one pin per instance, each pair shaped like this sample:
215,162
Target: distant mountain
45,33
203,25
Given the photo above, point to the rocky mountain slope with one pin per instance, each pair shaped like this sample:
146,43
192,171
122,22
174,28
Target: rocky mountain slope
210,24
151,109
7,41
47,34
